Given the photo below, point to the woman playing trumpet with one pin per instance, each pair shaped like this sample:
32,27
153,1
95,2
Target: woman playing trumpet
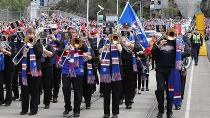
74,52
110,77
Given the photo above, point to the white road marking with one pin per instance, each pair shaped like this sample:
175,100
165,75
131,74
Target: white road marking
187,113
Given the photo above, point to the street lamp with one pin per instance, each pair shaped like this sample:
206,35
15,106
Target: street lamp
87,17
101,8
140,7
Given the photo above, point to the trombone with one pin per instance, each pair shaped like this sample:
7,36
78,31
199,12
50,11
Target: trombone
29,41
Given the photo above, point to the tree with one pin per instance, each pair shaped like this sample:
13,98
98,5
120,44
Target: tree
16,5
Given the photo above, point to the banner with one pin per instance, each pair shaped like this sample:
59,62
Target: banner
129,16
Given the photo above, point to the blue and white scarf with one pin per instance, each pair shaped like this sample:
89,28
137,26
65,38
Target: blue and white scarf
90,75
107,76
2,65
33,66
134,59
174,81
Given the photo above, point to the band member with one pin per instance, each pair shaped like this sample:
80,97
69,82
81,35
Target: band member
196,42
167,55
47,74
110,75
9,69
31,72
56,69
17,76
73,71
183,72
94,41
129,66
89,77
2,68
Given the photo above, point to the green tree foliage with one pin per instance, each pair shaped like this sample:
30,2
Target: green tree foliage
17,5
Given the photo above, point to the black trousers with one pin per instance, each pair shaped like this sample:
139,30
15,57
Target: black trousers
1,86
8,76
47,77
162,76
183,82
115,89
77,87
87,91
145,81
56,81
129,85
30,94
139,81
15,82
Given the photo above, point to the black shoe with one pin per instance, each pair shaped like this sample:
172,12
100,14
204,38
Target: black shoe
55,100
196,64
23,113
46,106
139,91
101,95
1,103
128,107
177,107
160,115
15,98
142,89
121,102
88,106
7,103
147,89
76,115
106,116
32,113
170,115
65,113
114,116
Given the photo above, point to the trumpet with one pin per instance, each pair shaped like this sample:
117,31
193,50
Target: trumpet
169,35
73,43
114,38
77,42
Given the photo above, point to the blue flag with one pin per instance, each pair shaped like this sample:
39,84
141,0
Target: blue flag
129,16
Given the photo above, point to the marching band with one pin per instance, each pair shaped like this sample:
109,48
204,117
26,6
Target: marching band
43,56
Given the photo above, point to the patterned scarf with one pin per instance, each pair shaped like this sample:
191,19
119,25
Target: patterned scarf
174,81
33,66
74,64
108,74
134,62
2,65
90,75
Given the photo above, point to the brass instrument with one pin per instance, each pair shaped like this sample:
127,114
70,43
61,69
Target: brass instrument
76,42
169,35
4,43
73,43
29,40
114,38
